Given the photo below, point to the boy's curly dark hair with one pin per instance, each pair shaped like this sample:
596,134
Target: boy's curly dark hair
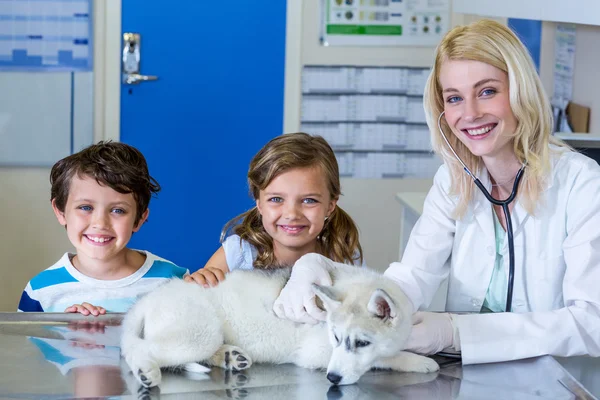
117,165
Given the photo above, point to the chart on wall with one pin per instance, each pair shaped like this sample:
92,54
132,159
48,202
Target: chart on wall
384,22
372,117
46,35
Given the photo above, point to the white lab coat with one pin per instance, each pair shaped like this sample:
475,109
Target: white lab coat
556,298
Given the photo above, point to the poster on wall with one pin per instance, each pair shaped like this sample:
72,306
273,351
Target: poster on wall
46,35
564,60
564,68
384,22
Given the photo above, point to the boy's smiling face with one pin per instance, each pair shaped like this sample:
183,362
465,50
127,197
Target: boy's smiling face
98,219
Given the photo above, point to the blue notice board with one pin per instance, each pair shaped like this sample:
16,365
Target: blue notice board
46,35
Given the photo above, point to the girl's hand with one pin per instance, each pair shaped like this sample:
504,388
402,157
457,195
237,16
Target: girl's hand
207,277
86,309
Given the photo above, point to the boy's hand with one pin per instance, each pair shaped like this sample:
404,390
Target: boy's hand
87,326
207,276
86,309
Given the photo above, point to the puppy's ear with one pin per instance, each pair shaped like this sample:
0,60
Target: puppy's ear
382,306
328,296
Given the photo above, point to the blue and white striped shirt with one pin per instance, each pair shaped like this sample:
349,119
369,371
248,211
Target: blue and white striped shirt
62,285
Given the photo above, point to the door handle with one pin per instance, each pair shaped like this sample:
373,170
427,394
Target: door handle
134,79
131,60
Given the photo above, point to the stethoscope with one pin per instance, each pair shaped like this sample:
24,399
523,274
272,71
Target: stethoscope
504,204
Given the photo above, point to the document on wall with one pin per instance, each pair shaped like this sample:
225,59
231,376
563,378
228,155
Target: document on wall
384,22
564,61
564,67
372,117
46,35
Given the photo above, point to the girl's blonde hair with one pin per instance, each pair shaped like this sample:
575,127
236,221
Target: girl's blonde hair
339,238
492,43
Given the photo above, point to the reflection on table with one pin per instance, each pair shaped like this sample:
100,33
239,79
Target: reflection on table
68,355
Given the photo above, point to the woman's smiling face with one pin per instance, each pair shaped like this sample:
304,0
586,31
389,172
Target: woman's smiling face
477,106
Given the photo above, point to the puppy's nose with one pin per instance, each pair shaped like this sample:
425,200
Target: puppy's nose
334,378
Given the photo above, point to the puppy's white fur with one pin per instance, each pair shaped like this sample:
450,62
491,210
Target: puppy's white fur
233,325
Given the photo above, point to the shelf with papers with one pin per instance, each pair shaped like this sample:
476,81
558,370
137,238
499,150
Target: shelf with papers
372,117
580,140
585,12
362,107
363,79
390,120
372,136
355,93
373,164
391,150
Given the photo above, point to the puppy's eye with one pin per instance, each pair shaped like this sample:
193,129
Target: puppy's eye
337,340
362,343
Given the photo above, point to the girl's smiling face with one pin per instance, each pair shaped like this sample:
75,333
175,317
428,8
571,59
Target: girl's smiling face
293,209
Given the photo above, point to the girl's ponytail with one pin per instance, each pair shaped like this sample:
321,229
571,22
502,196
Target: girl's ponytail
339,238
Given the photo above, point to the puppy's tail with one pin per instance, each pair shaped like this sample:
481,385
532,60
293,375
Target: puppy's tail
132,329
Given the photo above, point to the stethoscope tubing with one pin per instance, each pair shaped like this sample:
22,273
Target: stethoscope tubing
505,208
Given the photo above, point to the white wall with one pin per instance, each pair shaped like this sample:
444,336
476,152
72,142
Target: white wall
371,202
373,206
30,237
586,85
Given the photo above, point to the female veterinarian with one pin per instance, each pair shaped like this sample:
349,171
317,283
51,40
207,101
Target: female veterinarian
512,218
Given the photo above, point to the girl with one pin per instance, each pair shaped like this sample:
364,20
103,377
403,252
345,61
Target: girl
295,182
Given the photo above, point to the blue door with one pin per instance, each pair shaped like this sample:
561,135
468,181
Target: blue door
218,99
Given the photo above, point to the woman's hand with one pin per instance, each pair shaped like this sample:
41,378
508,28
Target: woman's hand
86,309
297,300
207,277
431,333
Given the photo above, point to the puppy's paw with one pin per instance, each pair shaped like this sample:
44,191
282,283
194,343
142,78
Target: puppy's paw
424,365
237,394
147,373
235,379
231,358
145,393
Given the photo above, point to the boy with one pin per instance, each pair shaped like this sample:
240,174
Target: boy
101,196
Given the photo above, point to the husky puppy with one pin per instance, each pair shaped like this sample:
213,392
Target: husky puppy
232,325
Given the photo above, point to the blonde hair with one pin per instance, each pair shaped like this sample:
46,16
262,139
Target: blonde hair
339,238
492,43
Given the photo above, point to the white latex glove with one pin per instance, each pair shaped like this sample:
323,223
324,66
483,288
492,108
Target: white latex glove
431,333
296,301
